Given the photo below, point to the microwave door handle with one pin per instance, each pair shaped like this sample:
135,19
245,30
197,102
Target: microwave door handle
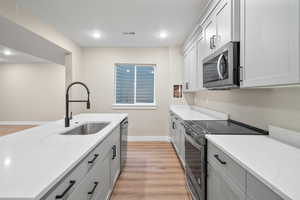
219,65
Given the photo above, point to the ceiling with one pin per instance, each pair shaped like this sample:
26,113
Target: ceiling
17,57
79,19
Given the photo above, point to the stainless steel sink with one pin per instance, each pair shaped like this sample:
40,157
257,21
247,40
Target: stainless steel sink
87,129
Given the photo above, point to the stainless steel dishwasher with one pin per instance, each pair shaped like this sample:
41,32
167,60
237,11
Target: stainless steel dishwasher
124,135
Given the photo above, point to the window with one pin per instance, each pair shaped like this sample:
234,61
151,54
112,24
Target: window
134,85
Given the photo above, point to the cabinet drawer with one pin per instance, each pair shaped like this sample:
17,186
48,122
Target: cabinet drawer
95,185
256,190
68,184
97,155
226,166
219,188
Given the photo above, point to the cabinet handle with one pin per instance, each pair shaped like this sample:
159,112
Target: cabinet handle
173,125
114,151
91,193
187,85
72,182
212,42
241,74
93,160
220,161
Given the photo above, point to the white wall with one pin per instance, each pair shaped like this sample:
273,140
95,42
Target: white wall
11,10
257,107
98,73
31,92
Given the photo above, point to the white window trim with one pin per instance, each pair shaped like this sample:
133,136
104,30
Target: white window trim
135,106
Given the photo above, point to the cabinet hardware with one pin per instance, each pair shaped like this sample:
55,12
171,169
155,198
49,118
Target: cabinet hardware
173,125
93,160
214,37
187,85
114,151
241,73
91,193
212,42
61,196
220,161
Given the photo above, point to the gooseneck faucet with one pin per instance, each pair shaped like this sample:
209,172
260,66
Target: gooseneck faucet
88,104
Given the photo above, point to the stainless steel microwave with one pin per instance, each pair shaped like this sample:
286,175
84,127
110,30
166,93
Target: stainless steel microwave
221,69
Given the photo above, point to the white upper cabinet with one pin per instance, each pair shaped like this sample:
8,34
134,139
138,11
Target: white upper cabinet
221,25
269,42
209,33
201,48
190,69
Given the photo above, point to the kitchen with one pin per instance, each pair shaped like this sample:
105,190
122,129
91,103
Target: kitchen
201,103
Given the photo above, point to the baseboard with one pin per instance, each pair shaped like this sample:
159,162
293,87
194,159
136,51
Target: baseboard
23,122
148,138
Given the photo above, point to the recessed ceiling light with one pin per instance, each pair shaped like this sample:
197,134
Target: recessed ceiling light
163,34
129,33
96,35
7,52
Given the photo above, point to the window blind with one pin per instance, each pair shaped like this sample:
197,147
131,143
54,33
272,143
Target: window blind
134,84
125,75
144,84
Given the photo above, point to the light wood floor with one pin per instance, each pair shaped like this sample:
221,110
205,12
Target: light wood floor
153,172
9,129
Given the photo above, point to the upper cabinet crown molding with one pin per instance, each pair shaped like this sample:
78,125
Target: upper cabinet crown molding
18,38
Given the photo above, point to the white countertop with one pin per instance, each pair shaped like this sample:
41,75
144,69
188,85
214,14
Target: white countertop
274,163
187,112
34,160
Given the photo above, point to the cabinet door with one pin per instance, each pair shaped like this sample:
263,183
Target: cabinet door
115,157
182,144
193,68
256,190
186,72
95,185
219,188
209,33
171,128
201,55
223,23
115,161
270,42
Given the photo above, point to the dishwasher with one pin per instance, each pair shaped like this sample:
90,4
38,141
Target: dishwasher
124,136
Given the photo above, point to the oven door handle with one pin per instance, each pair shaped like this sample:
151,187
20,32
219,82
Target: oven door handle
192,142
219,67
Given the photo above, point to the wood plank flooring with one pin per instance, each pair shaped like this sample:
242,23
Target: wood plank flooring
153,172
9,129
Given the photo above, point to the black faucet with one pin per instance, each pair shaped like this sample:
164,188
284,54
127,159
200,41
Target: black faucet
88,104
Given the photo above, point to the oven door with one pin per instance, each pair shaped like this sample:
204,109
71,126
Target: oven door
195,158
221,69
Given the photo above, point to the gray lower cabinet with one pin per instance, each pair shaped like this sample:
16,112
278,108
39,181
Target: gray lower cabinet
115,159
227,180
256,190
220,187
95,176
96,184
177,137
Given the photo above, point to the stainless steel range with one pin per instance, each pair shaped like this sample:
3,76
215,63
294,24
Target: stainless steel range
195,148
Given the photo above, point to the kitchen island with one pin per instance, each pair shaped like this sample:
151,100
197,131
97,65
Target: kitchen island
43,163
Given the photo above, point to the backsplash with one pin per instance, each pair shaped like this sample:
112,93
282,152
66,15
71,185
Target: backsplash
257,107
